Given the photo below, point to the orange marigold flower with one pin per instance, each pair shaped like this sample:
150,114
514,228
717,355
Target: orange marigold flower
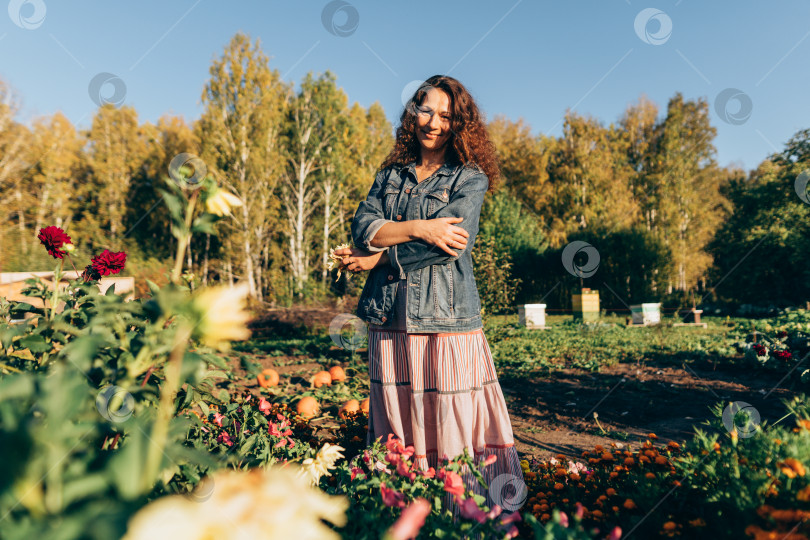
669,526
716,446
661,460
560,473
804,494
599,448
629,504
536,508
804,423
629,461
545,517
652,435
611,491
613,475
574,477
644,459
615,509
607,456
792,467
649,475
558,486
597,514
673,444
543,508
699,522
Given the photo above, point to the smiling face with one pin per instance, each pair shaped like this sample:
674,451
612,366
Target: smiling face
433,120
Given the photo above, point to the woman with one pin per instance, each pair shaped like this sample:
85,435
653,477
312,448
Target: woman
433,382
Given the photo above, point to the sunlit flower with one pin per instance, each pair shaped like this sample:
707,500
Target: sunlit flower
411,520
221,201
453,483
272,503
224,318
54,239
264,406
322,462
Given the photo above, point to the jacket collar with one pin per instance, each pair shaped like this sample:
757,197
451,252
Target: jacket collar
445,170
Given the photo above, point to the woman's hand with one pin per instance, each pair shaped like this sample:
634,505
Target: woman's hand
440,232
358,260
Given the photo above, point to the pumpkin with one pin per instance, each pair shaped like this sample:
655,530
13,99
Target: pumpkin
268,377
307,406
321,378
337,374
364,405
350,406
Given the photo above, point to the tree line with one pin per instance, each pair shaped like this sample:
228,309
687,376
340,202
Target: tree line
646,192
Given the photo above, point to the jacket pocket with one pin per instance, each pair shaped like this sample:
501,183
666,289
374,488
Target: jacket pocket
389,198
437,199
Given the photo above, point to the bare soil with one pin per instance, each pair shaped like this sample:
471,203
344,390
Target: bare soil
554,414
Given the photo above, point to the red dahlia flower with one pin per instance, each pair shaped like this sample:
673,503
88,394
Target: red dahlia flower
54,238
109,262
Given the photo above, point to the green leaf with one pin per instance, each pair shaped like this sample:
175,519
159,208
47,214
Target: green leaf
35,343
154,288
205,224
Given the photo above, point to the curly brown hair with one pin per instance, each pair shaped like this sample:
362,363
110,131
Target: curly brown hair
469,140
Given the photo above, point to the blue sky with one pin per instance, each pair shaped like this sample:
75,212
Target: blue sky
530,59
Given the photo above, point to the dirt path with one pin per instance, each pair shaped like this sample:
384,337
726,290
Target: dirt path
553,414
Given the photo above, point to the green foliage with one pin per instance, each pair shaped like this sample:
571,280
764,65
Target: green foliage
493,276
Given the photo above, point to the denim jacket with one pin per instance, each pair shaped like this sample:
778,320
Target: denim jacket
442,295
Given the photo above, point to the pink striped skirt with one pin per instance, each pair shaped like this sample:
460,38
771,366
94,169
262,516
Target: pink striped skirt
439,392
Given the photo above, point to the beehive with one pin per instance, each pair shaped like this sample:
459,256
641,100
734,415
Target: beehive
586,305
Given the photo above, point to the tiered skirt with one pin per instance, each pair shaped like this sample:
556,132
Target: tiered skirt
439,393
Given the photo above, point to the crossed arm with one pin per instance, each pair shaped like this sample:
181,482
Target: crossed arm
413,244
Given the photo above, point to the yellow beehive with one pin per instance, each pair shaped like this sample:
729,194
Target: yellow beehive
586,305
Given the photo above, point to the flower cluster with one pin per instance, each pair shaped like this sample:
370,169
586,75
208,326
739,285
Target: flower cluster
593,491
59,244
402,483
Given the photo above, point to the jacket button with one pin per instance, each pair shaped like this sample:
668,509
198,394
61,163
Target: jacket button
390,276
399,216
384,319
407,190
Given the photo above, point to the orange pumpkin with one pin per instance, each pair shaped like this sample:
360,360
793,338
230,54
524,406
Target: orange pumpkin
321,378
337,373
350,406
307,406
364,405
268,377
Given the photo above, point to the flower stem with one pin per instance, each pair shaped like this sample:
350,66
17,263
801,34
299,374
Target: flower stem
184,239
166,406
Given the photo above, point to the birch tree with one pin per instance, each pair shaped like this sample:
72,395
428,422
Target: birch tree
315,118
115,151
240,132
